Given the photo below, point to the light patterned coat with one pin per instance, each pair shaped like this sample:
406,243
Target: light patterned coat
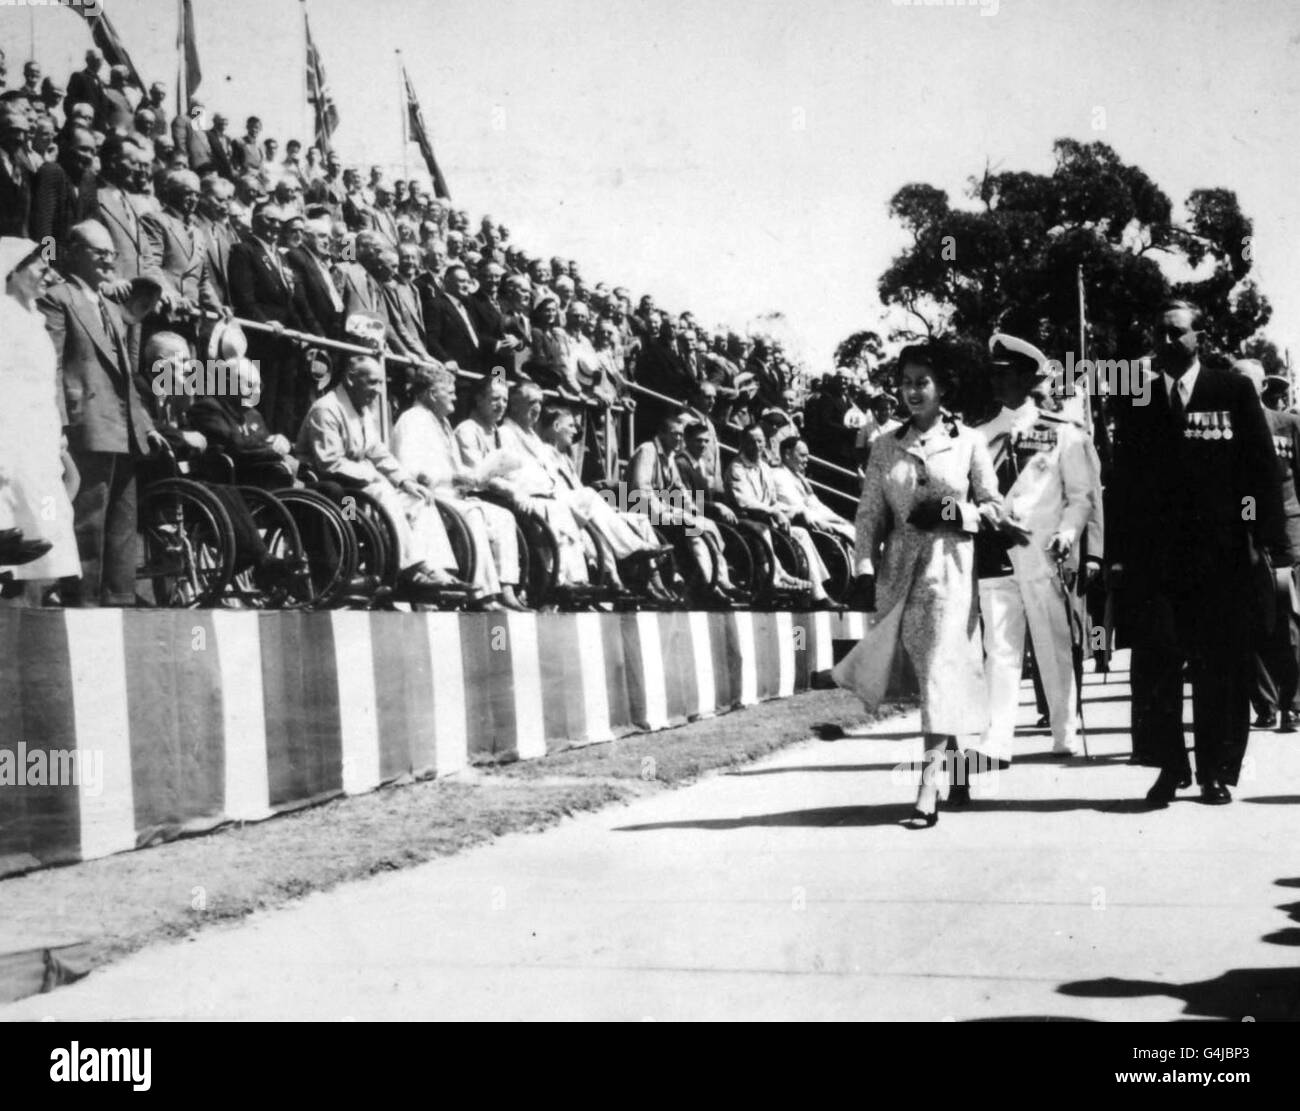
926,597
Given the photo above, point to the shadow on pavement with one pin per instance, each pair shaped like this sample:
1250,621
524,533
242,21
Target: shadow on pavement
862,816
1259,994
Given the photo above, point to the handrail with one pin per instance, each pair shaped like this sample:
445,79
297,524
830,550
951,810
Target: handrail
727,447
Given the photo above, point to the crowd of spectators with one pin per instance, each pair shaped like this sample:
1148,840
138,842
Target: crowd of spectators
141,227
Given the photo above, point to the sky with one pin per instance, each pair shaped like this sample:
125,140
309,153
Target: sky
736,157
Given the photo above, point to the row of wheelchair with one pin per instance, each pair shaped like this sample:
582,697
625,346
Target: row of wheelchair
334,547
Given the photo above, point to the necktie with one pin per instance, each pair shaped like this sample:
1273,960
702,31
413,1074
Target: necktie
1176,403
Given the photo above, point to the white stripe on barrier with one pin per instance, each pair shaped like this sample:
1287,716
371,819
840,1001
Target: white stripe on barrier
703,648
652,670
785,654
526,665
97,659
825,658
450,728
243,715
748,662
358,712
595,695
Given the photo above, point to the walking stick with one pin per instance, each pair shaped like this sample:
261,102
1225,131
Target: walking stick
1076,650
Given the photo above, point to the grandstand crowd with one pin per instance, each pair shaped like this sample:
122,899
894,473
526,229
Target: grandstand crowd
416,410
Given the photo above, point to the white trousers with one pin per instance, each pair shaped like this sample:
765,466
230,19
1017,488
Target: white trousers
421,537
492,529
1007,604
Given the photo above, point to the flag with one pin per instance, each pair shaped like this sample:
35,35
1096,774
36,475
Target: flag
187,46
318,92
105,37
421,135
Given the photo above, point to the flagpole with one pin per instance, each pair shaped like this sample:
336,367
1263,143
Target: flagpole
406,114
182,96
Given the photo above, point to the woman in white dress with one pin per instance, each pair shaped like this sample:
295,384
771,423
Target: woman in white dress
33,496
929,485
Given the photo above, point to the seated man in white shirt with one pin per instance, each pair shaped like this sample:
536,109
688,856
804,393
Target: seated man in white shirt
796,497
628,537
341,439
425,444
533,487
752,489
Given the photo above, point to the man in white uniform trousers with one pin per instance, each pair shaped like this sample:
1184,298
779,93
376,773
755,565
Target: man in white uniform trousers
1049,478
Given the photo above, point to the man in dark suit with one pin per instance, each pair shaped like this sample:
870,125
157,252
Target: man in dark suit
15,173
106,415
86,87
220,148
1277,666
262,289
313,267
452,331
63,190
1197,504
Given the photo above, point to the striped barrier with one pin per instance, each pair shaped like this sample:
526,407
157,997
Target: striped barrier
120,729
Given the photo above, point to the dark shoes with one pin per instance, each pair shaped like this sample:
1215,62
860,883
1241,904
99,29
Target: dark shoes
1165,788
1266,719
1214,793
1288,722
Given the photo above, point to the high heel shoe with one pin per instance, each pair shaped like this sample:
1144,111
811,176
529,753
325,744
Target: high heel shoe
919,819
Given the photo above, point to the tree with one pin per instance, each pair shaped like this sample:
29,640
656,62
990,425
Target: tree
1015,256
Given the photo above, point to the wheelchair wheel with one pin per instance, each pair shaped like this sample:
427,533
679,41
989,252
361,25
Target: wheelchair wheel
461,539
188,544
280,534
330,543
377,537
539,568
747,557
794,562
837,556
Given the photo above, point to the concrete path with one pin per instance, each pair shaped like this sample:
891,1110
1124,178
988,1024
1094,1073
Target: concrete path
787,890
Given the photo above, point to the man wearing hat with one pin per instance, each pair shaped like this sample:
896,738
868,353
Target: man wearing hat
1277,665
1196,509
1049,478
1276,393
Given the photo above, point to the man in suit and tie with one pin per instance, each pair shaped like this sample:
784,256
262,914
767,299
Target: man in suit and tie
179,246
313,266
213,222
86,87
220,148
63,190
106,416
1197,505
262,289
453,334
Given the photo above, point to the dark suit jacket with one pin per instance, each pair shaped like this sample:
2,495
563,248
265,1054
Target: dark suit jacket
58,203
1285,428
1187,504
450,339
222,153
15,199
239,432
259,291
314,288
217,241
85,88
103,404
329,193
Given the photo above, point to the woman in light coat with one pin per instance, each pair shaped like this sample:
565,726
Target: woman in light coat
929,485
33,495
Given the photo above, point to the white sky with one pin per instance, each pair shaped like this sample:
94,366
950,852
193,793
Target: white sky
658,141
